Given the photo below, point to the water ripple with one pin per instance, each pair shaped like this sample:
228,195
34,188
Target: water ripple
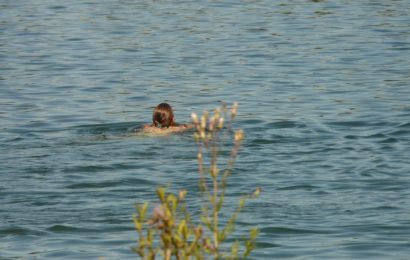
324,104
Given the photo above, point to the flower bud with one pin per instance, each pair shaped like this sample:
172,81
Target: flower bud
221,122
194,117
182,194
203,122
217,112
257,192
198,232
234,109
214,171
202,134
239,135
211,123
158,212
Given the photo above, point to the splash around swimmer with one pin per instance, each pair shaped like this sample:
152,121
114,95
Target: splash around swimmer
163,121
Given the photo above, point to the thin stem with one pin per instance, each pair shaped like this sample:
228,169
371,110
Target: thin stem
168,254
231,162
201,167
215,216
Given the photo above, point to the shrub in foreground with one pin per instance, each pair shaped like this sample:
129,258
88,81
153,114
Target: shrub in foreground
169,232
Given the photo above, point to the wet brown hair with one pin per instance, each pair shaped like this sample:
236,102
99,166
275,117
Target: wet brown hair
163,116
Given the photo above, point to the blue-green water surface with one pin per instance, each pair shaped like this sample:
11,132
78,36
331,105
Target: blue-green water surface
324,95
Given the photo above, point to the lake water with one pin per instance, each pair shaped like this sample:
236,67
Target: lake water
324,96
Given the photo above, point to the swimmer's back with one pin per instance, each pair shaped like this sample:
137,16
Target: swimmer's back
149,129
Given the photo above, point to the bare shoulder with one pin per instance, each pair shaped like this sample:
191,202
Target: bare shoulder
149,129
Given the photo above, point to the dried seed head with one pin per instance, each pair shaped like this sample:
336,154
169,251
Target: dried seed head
221,122
217,112
234,109
203,122
198,231
202,134
239,135
257,192
182,194
211,123
214,170
194,117
158,212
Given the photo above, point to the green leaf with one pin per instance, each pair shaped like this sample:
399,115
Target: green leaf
234,250
242,203
254,233
206,222
143,211
137,223
220,203
161,194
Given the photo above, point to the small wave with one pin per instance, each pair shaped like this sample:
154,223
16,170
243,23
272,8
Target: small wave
375,136
262,141
299,187
400,130
67,229
91,168
93,185
266,245
108,184
285,124
389,140
349,123
13,231
106,128
383,208
285,230
252,122
352,137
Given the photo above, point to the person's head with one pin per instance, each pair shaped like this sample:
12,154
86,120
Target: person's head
163,116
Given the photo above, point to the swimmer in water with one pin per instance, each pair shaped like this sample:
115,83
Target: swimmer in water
163,121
